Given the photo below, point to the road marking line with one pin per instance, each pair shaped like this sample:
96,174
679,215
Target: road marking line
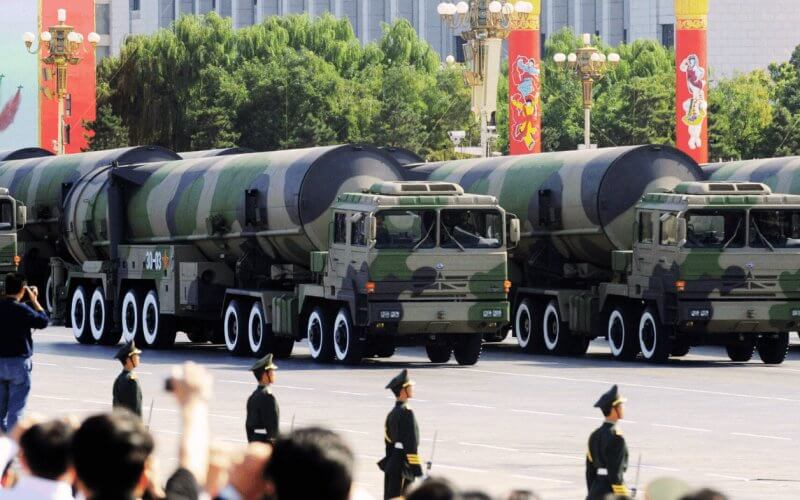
217,415
459,468
89,368
695,429
234,440
501,448
532,412
95,402
543,479
273,385
50,397
472,406
352,393
571,457
723,476
352,431
779,438
656,467
42,363
640,386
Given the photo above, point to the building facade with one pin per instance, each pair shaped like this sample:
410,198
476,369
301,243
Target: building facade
740,37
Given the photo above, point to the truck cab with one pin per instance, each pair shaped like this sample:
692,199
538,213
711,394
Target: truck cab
408,263
12,219
711,263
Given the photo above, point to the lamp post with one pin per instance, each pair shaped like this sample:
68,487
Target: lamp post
63,45
589,65
483,25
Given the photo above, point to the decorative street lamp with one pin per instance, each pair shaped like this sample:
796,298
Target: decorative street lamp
63,46
589,65
483,25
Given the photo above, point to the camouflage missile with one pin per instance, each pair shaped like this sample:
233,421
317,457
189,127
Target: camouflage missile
782,175
403,155
582,201
207,153
23,153
279,201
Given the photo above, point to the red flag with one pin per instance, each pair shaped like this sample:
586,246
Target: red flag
10,111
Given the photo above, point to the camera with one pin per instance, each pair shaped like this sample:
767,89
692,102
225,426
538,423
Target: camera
177,375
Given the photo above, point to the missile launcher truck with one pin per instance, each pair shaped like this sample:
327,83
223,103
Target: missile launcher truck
261,250
626,243
12,219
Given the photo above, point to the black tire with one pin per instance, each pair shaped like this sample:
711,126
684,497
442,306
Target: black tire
527,321
217,332
158,330
439,353
622,333
131,317
741,350
100,321
259,334
282,349
498,336
655,340
773,349
198,335
320,335
578,346
79,316
467,350
680,348
235,329
348,346
555,333
383,348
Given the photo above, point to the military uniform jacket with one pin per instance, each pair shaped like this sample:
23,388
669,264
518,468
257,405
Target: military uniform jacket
606,462
402,440
127,392
262,416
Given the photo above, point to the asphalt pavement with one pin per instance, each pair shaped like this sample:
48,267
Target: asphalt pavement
511,421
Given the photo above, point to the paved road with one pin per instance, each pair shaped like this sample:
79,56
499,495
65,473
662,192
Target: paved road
513,420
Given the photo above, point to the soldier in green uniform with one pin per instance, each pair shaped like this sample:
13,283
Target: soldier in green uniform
262,407
127,391
401,435
607,458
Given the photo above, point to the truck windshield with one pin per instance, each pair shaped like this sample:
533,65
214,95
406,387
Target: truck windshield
6,215
715,229
405,229
471,229
775,228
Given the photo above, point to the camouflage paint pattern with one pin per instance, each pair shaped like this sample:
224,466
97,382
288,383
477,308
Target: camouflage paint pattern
208,153
579,203
203,202
22,153
782,175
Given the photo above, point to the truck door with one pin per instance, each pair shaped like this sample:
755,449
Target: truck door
358,249
644,246
340,249
667,241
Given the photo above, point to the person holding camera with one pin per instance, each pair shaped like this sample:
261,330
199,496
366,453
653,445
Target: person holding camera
127,392
16,346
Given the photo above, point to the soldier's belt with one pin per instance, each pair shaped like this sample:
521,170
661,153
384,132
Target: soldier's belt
398,445
260,431
602,472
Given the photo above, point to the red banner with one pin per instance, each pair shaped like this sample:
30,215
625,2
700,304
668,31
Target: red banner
691,87
525,109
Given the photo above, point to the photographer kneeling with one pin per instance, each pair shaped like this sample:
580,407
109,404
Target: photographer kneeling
16,346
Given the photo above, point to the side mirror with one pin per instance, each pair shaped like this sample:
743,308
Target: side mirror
681,232
22,216
513,230
373,229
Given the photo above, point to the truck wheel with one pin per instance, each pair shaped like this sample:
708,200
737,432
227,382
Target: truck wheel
384,349
498,336
130,315
158,330
320,336
525,321
348,347
439,353
741,350
654,340
79,317
50,295
555,333
578,346
99,321
621,333
258,336
236,330
468,349
680,348
773,349
283,347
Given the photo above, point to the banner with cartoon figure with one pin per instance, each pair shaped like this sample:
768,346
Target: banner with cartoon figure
524,73
691,78
19,125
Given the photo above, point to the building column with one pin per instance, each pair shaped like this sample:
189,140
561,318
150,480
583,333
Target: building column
308,6
605,19
392,11
574,16
336,7
196,7
524,64
548,27
691,78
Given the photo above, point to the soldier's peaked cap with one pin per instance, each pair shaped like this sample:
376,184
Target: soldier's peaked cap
264,363
127,351
400,381
609,400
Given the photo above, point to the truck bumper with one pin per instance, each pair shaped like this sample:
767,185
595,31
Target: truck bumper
409,318
735,316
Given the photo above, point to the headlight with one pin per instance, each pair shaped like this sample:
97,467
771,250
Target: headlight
703,313
390,314
492,313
